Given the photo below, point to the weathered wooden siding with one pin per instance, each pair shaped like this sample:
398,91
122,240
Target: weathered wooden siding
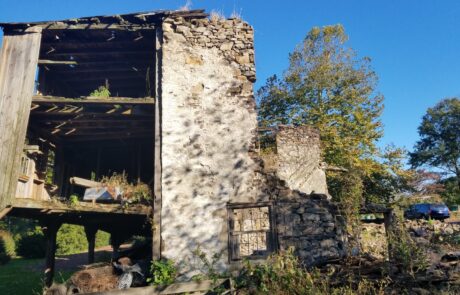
18,64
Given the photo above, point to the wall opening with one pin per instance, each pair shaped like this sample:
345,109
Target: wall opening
251,232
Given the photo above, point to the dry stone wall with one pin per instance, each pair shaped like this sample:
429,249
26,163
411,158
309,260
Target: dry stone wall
312,226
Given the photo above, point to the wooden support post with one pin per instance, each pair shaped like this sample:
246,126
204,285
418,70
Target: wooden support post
115,242
50,229
91,231
157,191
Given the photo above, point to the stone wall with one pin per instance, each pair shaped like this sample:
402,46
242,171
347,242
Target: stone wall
209,126
299,159
312,226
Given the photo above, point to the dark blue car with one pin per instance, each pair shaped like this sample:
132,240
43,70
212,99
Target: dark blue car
433,211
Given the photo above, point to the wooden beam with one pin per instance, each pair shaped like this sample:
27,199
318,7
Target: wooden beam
86,183
56,62
103,53
157,176
92,100
90,115
89,138
111,26
5,212
88,207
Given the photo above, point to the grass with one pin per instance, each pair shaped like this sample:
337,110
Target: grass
22,277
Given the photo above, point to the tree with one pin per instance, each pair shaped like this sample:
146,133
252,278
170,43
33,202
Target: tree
439,144
328,87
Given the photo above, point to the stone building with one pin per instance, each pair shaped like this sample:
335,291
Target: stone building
181,117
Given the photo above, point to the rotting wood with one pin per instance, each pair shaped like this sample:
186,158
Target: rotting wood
18,64
46,206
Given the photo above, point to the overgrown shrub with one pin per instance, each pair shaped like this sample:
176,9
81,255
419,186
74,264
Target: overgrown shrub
102,238
7,247
209,269
410,256
163,272
32,244
284,274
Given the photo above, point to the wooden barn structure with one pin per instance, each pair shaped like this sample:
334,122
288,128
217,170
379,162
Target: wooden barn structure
53,130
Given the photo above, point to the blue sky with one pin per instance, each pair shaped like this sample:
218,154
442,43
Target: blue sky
414,44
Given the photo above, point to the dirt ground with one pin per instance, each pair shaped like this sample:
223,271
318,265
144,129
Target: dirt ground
75,262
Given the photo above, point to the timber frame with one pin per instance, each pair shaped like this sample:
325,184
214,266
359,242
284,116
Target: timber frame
58,114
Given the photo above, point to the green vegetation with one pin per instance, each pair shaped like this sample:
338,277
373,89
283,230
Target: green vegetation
132,193
439,144
163,272
101,91
7,247
32,244
284,274
330,88
209,269
71,239
73,200
24,277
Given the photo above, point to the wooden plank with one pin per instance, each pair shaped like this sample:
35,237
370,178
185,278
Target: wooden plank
157,177
134,209
177,288
5,212
92,100
84,182
18,66
56,62
189,287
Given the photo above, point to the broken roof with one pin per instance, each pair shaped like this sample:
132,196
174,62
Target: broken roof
131,21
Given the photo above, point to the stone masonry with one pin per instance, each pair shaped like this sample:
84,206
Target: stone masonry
299,158
209,127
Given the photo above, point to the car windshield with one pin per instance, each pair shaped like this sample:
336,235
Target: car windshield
438,207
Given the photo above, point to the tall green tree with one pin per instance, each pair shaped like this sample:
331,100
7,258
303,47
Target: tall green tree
439,144
329,87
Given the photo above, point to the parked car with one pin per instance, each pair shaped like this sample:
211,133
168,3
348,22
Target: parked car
433,211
